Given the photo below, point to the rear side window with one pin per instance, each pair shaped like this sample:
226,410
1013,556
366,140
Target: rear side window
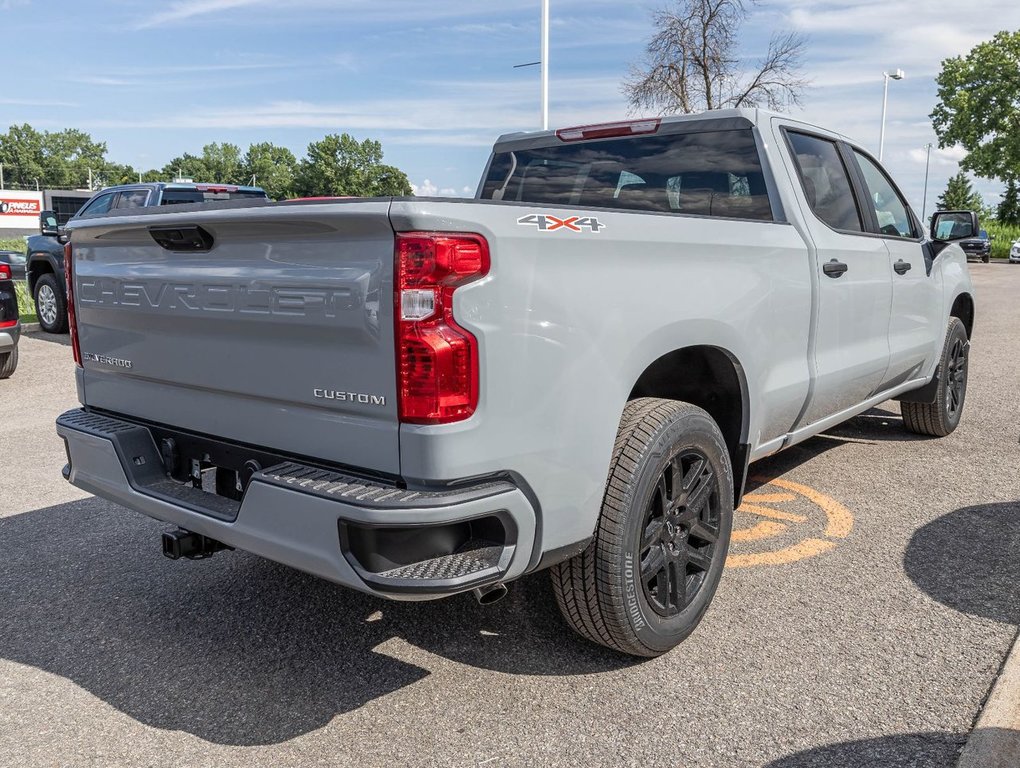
894,219
710,173
132,198
825,181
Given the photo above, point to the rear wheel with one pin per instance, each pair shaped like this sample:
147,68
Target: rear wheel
8,363
51,304
647,578
941,417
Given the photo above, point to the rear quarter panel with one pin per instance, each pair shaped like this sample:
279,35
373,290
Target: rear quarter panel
568,321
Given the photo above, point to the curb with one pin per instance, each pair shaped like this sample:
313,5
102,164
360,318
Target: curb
995,740
29,327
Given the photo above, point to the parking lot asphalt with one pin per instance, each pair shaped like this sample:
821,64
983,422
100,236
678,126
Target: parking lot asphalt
872,596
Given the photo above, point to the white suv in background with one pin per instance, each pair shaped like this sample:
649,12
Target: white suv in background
1014,252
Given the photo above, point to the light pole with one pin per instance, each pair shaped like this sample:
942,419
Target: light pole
924,200
545,65
897,75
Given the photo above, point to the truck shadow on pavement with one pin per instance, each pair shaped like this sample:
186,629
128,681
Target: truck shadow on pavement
238,650
54,338
912,750
969,560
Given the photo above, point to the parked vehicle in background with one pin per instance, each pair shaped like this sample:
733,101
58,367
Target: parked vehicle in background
16,261
979,247
10,327
420,397
1014,253
45,264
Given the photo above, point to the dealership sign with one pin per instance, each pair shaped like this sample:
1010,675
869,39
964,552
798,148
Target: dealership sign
20,210
20,207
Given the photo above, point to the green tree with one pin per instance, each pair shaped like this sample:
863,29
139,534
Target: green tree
115,173
979,107
273,168
959,195
55,159
1009,207
340,165
218,163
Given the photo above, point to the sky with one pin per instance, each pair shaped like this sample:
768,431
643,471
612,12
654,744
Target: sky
434,80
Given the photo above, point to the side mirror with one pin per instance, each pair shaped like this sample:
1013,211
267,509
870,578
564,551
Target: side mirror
62,236
48,223
953,225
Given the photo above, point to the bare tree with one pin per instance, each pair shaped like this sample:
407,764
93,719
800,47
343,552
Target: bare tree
692,63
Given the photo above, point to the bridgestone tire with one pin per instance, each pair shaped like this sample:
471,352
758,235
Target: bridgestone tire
59,324
940,418
602,592
8,363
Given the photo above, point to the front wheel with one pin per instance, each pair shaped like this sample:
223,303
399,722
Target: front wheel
648,576
986,259
51,304
941,417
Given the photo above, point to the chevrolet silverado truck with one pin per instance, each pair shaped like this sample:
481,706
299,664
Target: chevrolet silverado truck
573,371
45,263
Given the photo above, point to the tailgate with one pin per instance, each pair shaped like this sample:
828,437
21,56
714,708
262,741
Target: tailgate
279,336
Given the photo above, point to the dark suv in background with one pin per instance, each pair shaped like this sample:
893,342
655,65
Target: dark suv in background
979,247
45,267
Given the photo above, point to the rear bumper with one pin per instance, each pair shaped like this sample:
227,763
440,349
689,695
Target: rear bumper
337,527
9,338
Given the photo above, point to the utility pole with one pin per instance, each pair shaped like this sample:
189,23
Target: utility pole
924,202
1,175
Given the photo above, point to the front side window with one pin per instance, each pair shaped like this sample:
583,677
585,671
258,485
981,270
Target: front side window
709,173
826,182
891,210
100,205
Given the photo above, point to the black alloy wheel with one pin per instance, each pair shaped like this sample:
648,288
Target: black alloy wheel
680,533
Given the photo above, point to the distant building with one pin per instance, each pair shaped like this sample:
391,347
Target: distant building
20,209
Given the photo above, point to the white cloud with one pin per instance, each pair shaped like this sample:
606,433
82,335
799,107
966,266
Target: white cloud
940,158
187,9
428,189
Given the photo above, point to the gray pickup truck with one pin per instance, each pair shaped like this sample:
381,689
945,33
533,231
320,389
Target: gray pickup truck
421,397
45,262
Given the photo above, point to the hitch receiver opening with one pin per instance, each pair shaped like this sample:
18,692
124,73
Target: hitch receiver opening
194,546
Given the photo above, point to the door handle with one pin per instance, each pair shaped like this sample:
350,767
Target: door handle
835,268
902,267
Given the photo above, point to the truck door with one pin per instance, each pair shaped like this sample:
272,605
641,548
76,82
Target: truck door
915,323
854,286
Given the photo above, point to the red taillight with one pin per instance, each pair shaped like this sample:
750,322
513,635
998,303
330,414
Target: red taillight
437,360
609,130
5,272
215,188
72,320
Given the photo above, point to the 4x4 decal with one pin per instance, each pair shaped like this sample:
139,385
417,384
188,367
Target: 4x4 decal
547,223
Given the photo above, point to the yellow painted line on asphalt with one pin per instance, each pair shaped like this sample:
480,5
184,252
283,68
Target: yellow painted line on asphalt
763,530
799,551
841,522
775,514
